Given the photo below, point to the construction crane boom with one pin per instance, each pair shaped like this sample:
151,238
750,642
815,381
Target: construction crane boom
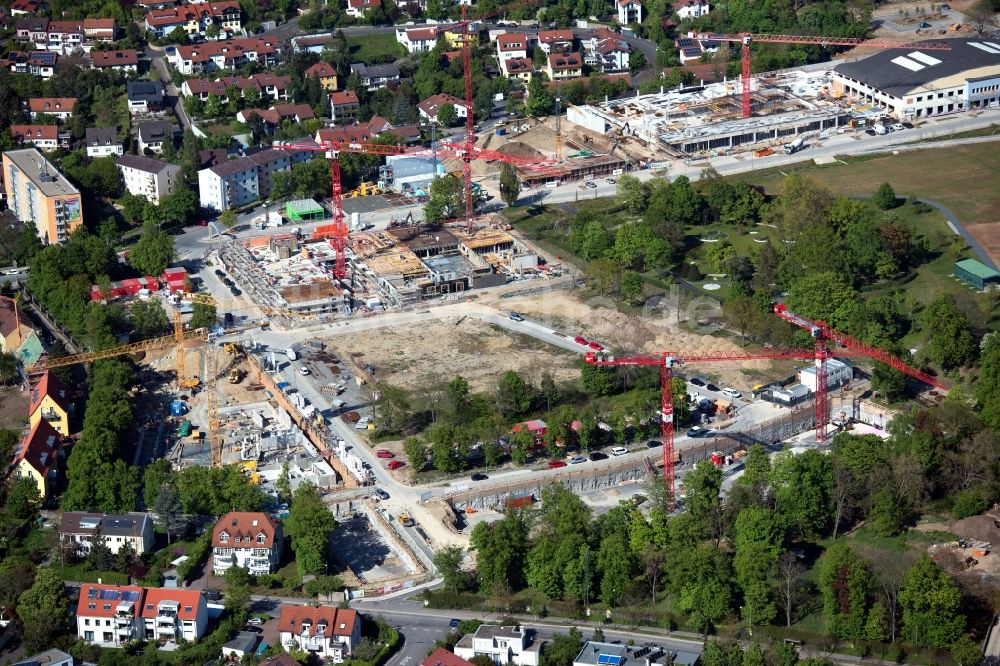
745,39
87,357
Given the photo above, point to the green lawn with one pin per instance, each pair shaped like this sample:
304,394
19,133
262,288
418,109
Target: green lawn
371,49
83,573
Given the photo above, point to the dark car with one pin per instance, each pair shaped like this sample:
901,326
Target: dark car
479,476
697,431
235,291
454,624
870,132
653,443
712,387
597,455
227,320
908,125
228,282
697,381
219,273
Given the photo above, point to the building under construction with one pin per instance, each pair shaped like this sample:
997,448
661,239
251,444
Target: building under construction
707,120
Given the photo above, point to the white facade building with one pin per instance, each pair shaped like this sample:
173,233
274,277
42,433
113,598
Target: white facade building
329,633
147,177
838,373
246,539
503,644
629,11
134,530
103,142
111,615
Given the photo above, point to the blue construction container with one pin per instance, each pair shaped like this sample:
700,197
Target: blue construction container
178,408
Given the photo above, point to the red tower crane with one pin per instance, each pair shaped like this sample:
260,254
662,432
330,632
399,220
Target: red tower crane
822,333
746,38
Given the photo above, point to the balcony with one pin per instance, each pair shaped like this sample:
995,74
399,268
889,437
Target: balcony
124,621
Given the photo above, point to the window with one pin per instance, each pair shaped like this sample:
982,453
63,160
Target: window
88,636
224,538
86,622
261,538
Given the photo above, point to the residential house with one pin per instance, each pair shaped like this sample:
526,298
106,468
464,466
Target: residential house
374,77
629,12
316,43
326,74
34,29
37,63
243,645
357,8
512,45
564,66
21,7
692,47
43,137
153,134
194,19
212,156
59,107
238,182
442,657
690,9
405,133
344,105
109,615
102,142
610,54
147,177
49,401
555,41
64,37
417,40
430,107
144,97
277,114
503,644
38,457
246,539
230,54
126,60
518,68
595,653
364,132
36,191
174,614
270,86
147,5
99,30
17,337
51,657
132,530
327,632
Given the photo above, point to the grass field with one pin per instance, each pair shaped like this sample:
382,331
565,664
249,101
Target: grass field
963,178
374,48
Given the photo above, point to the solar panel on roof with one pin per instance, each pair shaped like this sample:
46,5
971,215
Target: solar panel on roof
684,42
609,659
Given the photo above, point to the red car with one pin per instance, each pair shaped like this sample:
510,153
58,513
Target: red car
384,453
395,464
556,464
595,346
580,340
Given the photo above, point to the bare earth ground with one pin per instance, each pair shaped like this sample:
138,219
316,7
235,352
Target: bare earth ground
988,236
984,528
13,408
433,352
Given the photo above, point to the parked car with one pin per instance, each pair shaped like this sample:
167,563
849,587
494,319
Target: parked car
610,181
556,464
576,460
619,451
696,431
255,622
395,464
732,393
228,282
385,453
653,443
303,370
712,387
235,291
219,274
380,494
870,132
479,476
597,455
516,316
697,381
596,346
590,185
580,340
454,624
898,127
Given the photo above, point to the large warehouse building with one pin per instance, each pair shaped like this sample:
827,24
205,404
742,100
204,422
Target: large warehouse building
922,83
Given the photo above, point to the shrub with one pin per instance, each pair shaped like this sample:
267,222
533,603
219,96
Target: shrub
968,503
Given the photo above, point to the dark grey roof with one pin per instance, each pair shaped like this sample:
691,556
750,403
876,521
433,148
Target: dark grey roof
155,130
50,656
245,642
130,524
143,163
375,71
102,136
497,631
898,71
230,167
150,91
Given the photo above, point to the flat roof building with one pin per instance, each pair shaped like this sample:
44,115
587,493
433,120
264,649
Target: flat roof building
595,653
37,192
976,273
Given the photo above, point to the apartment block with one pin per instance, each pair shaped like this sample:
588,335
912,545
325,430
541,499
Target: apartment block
238,182
147,177
134,530
37,192
247,539
112,615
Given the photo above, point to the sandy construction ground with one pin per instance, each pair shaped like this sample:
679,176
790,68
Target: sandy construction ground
988,236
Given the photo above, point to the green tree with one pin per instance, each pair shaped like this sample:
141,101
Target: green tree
203,316
633,193
885,197
170,512
43,610
514,395
844,584
445,199
821,296
875,625
23,498
540,99
309,524
595,240
966,652
931,605
448,562
757,546
500,551
562,649
951,343
632,287
598,380
701,489
803,486
447,115
987,389
510,184
154,251
157,474
28,244
283,485
416,452
149,319
237,589
228,219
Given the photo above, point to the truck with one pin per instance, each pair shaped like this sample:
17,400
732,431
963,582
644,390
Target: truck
293,351
880,129
405,520
795,146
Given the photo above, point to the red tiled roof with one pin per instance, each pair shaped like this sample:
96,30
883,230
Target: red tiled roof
50,104
103,600
49,385
99,24
509,40
565,61
207,50
244,525
115,58
336,621
452,55
432,104
187,601
344,98
40,447
9,318
519,65
622,3
364,4
442,657
65,26
422,34
322,70
549,36
344,134
34,132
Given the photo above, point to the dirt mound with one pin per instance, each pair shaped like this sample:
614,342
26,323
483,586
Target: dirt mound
519,149
985,527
